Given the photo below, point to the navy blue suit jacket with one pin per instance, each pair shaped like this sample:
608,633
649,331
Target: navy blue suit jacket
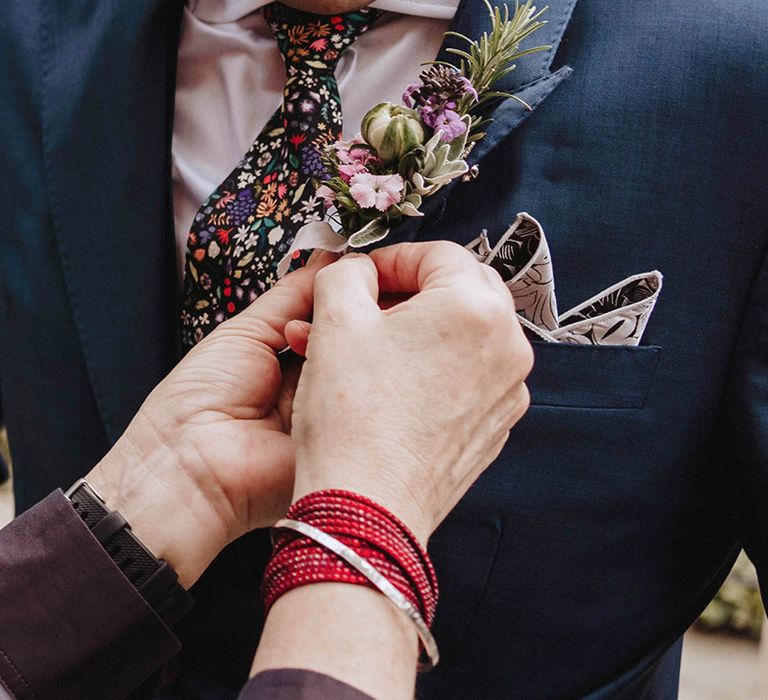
574,565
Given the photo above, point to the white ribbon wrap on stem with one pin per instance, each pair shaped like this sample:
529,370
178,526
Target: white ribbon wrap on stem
318,234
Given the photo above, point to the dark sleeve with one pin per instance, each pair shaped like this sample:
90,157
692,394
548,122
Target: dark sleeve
298,684
71,625
746,458
4,472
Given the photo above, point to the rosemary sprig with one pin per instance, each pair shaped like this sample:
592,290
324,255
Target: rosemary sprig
492,57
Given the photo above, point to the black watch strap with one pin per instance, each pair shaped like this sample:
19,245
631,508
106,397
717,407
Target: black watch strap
154,578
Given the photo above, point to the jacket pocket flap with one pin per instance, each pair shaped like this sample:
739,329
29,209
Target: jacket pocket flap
592,376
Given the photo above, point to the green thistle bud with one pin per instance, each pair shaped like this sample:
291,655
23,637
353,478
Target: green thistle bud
392,131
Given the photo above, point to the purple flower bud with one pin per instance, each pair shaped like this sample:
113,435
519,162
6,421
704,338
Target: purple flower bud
428,115
469,89
407,95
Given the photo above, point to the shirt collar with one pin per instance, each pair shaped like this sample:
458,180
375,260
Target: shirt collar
221,11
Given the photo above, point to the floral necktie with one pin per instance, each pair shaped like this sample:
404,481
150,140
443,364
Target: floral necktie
247,225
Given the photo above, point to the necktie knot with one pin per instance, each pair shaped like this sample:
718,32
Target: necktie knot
314,41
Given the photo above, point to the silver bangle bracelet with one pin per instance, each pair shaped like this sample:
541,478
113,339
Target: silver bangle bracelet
376,578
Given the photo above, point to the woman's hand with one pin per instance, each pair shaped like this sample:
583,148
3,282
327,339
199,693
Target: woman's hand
410,404
407,406
208,457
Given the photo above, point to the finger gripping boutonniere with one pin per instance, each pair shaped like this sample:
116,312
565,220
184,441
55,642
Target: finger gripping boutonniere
406,153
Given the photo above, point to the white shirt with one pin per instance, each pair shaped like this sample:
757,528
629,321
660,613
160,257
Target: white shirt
230,81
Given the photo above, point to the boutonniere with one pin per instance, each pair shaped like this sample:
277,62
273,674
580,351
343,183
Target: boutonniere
406,153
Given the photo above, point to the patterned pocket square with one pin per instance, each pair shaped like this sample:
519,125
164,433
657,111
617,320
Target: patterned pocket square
616,316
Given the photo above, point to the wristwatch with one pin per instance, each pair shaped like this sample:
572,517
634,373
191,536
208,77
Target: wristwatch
153,578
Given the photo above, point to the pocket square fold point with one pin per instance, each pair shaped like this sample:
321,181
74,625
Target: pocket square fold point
616,316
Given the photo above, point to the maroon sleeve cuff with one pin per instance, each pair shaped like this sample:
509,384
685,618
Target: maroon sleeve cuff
298,684
71,625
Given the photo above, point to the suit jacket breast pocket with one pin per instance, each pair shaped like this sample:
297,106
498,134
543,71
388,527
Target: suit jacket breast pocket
592,376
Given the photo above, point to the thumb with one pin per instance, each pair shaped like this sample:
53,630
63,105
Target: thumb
346,288
297,336
291,298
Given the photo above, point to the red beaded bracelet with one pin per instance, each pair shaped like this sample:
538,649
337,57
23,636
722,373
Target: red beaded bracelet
343,537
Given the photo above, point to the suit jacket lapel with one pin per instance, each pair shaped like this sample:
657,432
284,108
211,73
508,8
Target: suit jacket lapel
531,81
107,101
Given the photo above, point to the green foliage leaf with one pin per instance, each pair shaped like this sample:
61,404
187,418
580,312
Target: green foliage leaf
372,232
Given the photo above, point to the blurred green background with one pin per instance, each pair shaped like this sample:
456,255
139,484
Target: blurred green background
4,446
737,608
